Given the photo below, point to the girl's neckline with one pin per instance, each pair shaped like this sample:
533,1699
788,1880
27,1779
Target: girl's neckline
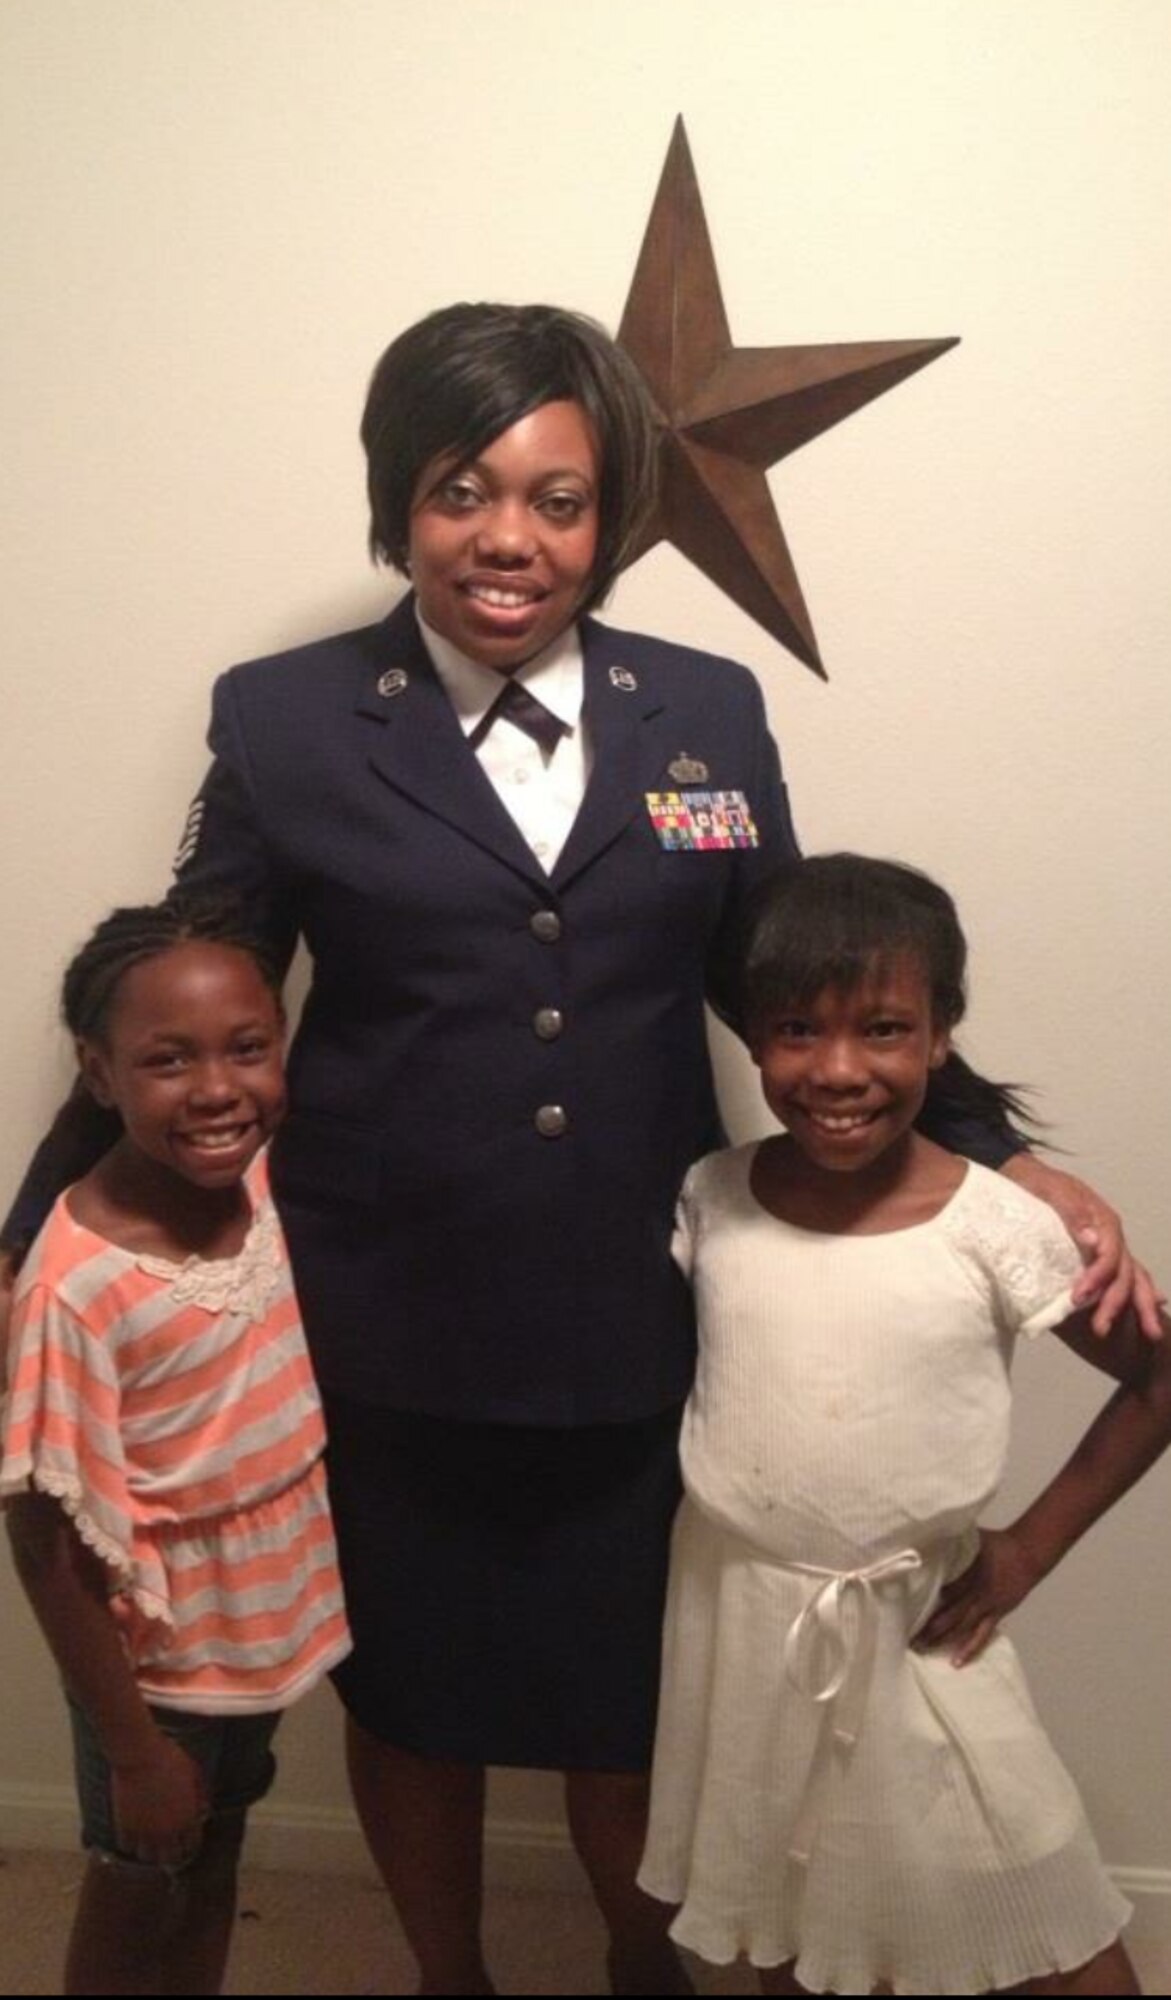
161,1266
243,1283
850,1235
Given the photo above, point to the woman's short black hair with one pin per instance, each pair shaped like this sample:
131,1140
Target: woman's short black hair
130,935
456,380
833,920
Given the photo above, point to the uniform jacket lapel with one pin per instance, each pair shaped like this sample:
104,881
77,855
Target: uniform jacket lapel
420,749
628,730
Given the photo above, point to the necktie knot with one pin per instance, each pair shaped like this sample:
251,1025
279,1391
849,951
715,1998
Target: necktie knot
517,705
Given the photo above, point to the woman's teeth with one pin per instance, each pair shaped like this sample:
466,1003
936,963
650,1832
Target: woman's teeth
503,600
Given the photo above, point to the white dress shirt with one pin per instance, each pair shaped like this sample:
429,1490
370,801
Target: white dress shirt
543,795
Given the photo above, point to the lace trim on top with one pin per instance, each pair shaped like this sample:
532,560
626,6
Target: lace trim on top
68,1493
241,1284
1035,1268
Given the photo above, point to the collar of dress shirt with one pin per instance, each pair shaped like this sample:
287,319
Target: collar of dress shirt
556,676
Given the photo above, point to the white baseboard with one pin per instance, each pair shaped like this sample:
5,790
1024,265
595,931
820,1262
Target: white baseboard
519,1854
325,1840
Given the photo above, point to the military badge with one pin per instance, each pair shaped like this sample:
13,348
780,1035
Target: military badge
701,821
688,770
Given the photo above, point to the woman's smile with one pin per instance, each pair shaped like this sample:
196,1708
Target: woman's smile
502,548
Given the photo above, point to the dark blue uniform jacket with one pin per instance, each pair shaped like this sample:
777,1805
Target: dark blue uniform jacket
500,1077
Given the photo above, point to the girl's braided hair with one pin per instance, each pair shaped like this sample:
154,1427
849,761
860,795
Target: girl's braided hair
137,932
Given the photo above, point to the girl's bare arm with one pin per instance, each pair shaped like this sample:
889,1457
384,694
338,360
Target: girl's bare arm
158,1792
1126,1437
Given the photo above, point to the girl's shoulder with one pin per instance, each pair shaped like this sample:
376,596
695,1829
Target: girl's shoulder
1013,1247
74,1262
62,1251
719,1176
715,1191
988,1202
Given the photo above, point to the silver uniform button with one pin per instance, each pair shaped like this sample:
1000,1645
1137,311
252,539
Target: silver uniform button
551,1121
548,1023
545,925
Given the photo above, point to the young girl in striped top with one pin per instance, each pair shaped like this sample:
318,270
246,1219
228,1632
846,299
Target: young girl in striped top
162,1445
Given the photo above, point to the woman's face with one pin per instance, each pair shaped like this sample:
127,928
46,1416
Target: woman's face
501,550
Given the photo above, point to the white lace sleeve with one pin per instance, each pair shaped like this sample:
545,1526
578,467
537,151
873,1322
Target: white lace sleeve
1022,1251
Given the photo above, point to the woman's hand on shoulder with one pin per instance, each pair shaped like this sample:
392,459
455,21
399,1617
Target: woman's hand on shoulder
971,1607
1112,1279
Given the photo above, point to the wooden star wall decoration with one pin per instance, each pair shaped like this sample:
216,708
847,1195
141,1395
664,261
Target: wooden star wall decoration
728,413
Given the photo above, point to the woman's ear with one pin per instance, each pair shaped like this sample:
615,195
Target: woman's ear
940,1048
93,1066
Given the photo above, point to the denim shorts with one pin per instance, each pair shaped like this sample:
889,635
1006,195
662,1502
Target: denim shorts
234,1753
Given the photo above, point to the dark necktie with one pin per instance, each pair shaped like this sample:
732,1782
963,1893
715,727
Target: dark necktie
516,704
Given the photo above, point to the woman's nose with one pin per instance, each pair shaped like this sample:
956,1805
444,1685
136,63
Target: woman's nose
506,530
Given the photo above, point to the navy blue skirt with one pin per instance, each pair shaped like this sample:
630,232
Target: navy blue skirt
505,1584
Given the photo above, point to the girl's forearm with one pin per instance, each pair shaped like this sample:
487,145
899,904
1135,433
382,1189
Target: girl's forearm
66,1586
1124,1440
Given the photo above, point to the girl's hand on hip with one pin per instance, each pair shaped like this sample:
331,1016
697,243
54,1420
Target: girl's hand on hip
1112,1279
972,1606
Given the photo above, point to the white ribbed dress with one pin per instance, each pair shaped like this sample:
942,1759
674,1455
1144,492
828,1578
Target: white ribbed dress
821,1793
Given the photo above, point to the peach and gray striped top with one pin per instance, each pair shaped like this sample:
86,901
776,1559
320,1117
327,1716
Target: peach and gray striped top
172,1411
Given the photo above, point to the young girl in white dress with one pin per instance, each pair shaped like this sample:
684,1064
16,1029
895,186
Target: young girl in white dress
851,1786
162,1444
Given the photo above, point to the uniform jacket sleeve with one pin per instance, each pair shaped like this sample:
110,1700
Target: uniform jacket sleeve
224,844
778,843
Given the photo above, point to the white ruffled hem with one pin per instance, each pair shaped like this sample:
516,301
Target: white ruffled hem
1006,1964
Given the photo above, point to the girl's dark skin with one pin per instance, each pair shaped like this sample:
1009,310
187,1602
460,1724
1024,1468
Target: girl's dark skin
190,1056
847,1073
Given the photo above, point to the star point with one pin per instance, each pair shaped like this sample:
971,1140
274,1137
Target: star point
729,413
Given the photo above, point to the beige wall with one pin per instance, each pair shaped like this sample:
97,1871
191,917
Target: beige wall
215,216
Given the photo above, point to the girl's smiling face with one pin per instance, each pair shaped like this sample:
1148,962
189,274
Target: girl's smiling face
191,1057
846,1073
502,549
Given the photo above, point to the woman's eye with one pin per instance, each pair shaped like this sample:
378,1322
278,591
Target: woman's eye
164,1060
887,1031
458,494
792,1031
564,507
